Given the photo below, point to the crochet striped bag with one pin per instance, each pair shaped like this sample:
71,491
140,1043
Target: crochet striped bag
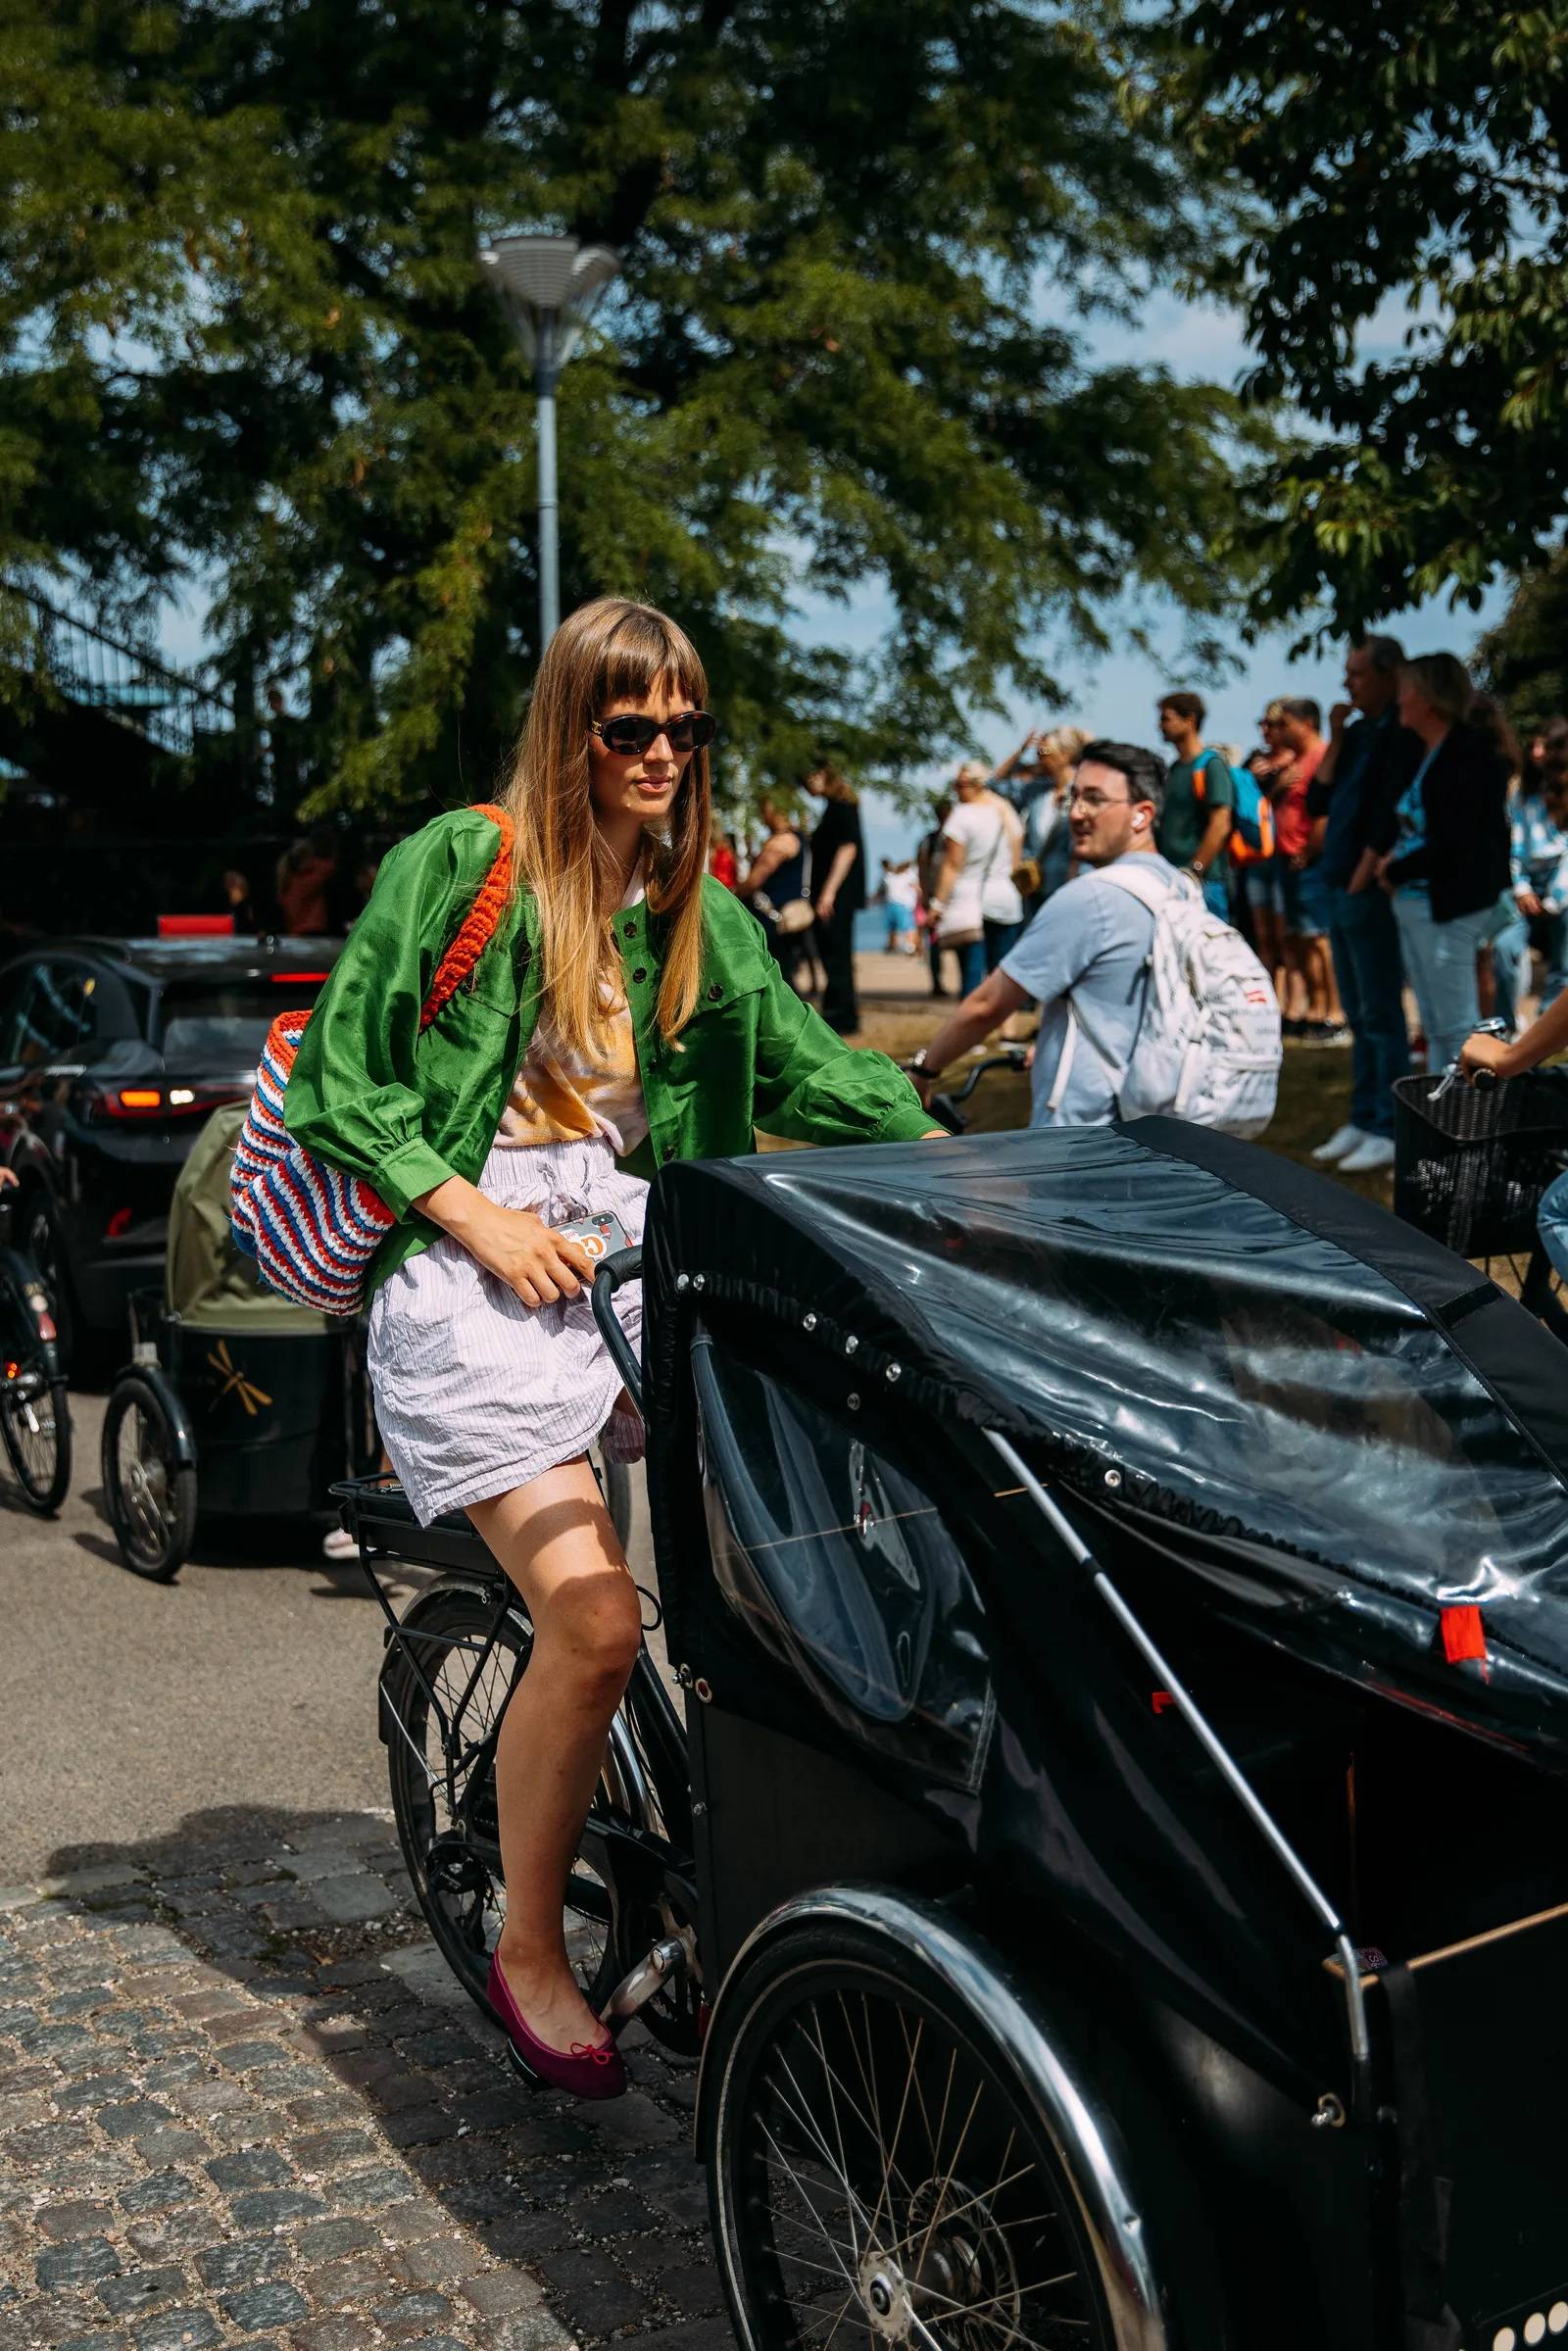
311,1229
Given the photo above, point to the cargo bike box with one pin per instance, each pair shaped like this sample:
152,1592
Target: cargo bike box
1119,1588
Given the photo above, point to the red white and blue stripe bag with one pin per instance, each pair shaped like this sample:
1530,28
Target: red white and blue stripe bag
311,1229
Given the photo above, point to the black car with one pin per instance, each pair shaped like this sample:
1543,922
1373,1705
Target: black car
113,1053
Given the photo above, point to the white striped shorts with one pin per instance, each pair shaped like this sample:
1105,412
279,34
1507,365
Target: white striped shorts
476,1392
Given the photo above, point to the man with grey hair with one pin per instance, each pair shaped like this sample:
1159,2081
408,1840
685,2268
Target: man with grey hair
1369,761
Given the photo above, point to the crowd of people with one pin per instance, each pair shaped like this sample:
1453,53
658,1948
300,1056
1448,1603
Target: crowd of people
1405,853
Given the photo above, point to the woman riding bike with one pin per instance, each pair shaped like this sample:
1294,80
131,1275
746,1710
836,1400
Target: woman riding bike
625,1013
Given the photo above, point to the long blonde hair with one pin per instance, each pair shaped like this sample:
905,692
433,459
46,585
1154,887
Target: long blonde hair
607,651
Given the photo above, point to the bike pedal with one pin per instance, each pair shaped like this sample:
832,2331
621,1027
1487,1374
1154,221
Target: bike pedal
663,1965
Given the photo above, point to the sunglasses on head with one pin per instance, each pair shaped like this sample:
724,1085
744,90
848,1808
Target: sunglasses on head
629,737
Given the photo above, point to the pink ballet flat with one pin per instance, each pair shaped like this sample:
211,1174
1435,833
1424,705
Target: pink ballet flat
587,2070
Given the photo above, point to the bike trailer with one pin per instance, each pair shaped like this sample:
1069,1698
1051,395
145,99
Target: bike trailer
1121,1585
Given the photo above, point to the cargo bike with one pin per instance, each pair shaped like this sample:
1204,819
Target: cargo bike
1112,1864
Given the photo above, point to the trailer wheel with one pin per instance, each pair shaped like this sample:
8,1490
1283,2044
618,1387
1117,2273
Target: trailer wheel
876,2169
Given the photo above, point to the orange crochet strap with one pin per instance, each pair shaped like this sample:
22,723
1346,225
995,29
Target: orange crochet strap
479,925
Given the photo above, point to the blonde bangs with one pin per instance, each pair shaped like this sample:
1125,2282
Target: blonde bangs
609,651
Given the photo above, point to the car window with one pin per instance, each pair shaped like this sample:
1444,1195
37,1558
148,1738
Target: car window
53,1016
223,1025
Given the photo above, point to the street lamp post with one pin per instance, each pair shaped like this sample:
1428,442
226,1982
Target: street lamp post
549,287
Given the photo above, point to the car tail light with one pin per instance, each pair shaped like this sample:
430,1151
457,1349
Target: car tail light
294,979
166,1100
118,1224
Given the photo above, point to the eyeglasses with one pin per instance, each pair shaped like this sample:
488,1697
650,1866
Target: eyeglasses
629,737
1094,802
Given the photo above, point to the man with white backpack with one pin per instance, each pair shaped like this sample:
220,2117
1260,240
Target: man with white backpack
1148,1002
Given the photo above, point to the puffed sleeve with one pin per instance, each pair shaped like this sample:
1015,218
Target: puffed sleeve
810,1087
352,1094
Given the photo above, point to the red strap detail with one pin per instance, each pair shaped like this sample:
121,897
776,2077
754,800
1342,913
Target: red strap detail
479,925
1463,1633
598,2051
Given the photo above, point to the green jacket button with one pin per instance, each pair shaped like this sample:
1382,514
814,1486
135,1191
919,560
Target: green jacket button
638,976
628,930
668,1152
714,993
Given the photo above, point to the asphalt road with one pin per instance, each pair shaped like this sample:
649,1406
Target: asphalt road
132,1708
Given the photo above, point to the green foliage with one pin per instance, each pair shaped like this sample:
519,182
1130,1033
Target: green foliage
1406,160
245,342
1524,660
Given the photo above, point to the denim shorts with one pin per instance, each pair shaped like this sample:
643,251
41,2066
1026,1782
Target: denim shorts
1262,886
1308,901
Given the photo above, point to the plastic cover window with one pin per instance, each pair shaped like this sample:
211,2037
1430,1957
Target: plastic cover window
842,1567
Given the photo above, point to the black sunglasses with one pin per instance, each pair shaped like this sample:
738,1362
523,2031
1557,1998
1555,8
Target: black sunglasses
629,737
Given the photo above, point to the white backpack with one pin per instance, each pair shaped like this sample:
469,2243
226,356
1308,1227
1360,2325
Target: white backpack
1207,1045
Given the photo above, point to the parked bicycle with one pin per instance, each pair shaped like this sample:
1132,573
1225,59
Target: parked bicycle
35,1404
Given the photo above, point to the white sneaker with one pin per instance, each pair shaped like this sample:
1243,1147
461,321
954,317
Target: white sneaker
1371,1156
339,1545
1339,1146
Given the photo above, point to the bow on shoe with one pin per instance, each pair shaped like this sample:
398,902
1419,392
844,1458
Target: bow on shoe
597,2052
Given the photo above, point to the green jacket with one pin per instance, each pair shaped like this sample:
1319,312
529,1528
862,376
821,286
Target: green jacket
368,1094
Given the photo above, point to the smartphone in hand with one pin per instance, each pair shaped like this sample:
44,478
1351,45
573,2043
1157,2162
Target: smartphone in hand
599,1237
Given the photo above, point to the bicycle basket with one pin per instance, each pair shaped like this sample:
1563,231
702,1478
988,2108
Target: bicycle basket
1471,1163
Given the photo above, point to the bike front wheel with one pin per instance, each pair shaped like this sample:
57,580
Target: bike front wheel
876,2171
460,1652
35,1425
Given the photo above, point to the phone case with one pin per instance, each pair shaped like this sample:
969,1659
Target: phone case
599,1236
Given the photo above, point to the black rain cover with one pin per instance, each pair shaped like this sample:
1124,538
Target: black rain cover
1359,1430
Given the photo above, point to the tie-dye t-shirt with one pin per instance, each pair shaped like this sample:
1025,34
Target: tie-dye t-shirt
563,1098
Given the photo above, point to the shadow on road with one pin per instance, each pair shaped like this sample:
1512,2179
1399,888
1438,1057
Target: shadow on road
291,2005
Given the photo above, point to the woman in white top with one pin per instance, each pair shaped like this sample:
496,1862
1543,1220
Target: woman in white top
976,905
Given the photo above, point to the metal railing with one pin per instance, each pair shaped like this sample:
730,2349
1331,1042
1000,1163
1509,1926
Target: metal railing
124,682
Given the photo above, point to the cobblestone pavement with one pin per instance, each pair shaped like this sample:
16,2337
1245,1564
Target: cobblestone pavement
241,2101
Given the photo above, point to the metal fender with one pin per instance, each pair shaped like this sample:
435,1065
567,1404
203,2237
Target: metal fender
1008,2013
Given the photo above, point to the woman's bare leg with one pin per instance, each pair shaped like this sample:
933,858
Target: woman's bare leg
555,1539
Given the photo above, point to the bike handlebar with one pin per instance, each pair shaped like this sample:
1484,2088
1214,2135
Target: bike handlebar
626,1265
1454,1074
944,1106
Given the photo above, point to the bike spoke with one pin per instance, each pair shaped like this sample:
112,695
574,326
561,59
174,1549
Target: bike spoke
890,2157
803,2120
946,2180
816,2317
847,2275
984,2196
